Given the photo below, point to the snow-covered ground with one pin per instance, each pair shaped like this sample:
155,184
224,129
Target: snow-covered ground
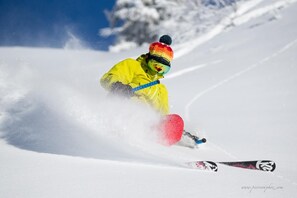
62,137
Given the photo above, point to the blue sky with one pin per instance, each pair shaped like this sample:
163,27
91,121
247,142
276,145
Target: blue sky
45,23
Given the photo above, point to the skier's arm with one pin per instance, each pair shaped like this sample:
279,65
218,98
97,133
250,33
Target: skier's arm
163,104
157,97
121,72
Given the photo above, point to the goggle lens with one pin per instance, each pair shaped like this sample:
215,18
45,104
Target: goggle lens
158,67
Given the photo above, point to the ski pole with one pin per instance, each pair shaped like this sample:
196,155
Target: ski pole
146,85
195,138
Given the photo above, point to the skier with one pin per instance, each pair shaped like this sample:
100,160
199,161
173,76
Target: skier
131,73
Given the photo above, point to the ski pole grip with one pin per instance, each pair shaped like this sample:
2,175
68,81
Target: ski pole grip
146,85
200,141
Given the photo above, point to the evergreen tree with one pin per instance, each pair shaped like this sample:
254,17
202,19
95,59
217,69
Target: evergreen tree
143,21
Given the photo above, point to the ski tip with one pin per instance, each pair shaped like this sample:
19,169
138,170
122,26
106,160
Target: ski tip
266,165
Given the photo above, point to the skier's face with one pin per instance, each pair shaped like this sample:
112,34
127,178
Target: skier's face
158,67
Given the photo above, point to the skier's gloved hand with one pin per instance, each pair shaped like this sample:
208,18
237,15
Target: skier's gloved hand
121,89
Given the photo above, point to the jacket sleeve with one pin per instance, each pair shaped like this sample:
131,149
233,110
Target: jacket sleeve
121,72
163,105
157,97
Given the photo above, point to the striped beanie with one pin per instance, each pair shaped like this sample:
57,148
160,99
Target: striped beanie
161,51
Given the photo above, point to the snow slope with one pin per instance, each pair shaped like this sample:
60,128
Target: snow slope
62,137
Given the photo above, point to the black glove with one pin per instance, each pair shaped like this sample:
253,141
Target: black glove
121,89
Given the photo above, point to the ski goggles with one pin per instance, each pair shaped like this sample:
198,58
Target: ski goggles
158,67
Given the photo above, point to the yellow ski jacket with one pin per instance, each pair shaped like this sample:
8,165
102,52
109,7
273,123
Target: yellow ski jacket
135,73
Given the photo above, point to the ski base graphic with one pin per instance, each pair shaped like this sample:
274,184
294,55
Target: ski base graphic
261,165
203,165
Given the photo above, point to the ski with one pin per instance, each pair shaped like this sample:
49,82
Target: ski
262,165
